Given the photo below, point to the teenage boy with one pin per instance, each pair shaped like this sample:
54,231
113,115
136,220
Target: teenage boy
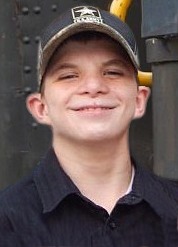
88,190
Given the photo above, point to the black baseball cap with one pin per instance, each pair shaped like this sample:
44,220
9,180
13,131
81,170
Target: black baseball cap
79,19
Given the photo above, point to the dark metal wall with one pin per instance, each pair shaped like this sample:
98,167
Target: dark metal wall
22,141
161,32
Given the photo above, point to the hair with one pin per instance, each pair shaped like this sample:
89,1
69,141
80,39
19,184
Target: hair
84,37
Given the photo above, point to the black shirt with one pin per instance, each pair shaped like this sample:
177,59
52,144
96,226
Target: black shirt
47,209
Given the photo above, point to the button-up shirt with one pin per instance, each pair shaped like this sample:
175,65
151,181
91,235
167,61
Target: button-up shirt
47,209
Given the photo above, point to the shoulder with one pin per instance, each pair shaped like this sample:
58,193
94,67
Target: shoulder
17,201
160,187
160,193
154,181
170,187
19,192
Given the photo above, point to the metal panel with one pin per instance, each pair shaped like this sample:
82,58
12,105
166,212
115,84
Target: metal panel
162,49
159,17
163,56
165,99
10,103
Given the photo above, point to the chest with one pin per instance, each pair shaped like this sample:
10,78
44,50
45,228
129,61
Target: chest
86,225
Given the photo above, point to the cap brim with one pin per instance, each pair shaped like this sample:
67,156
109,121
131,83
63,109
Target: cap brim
46,53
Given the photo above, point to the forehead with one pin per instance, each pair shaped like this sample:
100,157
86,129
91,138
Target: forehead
97,43
82,44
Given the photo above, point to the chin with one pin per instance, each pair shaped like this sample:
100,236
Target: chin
98,137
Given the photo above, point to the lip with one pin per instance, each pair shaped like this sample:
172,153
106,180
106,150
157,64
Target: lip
93,106
91,110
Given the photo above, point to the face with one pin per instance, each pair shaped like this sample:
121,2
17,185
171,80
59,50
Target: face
90,93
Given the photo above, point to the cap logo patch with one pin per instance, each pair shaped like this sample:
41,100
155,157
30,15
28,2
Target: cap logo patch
86,14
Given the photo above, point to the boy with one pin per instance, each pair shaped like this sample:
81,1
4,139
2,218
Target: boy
88,191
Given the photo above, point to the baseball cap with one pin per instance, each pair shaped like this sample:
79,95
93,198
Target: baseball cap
79,19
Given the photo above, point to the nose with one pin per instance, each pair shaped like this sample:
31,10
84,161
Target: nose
93,85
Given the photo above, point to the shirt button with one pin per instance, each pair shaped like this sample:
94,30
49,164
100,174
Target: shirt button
112,225
133,198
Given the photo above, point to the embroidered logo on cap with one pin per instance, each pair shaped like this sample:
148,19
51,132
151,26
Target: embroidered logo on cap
86,14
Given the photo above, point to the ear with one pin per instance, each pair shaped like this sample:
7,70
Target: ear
141,101
38,109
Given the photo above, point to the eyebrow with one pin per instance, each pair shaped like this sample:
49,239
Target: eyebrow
61,67
117,62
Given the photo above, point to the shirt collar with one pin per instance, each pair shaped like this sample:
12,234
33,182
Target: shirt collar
154,190
53,185
129,189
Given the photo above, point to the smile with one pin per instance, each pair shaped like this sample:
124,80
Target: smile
94,111
94,108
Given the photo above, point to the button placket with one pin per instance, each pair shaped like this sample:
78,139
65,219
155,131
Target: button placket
112,225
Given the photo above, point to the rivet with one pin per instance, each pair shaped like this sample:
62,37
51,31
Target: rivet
27,90
34,125
27,69
37,39
26,40
25,10
37,9
54,7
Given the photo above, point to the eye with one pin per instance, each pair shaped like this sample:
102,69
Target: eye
67,76
113,73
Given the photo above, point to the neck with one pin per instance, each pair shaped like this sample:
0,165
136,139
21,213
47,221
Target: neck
99,171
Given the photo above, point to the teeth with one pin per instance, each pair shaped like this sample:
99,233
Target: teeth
94,108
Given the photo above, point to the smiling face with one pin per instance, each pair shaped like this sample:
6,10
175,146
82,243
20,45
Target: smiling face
90,92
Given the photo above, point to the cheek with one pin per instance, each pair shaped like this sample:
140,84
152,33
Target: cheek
126,93
56,105
54,95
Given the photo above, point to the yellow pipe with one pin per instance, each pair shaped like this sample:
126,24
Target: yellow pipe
120,8
145,78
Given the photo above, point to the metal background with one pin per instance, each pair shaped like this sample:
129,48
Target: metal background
160,18
160,27
22,141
